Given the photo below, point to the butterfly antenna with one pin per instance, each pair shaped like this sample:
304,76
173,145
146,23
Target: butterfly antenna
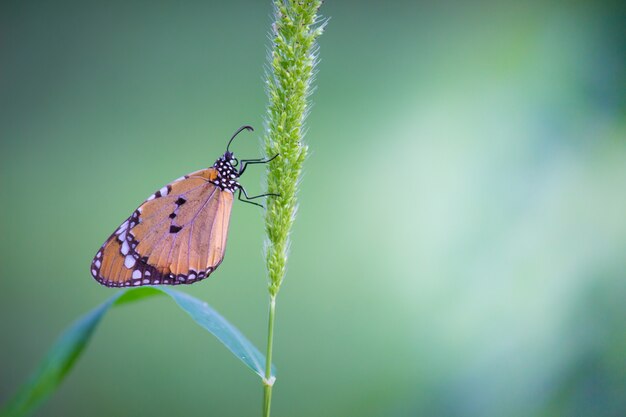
249,128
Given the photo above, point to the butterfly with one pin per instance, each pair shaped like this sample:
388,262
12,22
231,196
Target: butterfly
178,235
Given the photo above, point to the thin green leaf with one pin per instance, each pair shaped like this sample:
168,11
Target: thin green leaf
217,325
68,347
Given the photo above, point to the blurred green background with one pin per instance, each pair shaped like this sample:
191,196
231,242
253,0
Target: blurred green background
460,247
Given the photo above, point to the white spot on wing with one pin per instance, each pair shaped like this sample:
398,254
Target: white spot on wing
122,227
151,197
129,261
163,191
136,274
125,248
98,263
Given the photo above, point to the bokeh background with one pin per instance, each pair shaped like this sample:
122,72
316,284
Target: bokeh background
460,246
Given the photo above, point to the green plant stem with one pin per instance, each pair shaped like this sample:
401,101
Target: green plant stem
268,381
288,81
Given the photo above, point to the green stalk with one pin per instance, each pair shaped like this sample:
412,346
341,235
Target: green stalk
288,80
268,381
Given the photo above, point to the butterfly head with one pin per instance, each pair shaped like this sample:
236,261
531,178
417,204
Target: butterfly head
230,158
225,166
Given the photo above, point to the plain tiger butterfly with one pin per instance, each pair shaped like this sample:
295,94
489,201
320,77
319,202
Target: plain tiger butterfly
178,235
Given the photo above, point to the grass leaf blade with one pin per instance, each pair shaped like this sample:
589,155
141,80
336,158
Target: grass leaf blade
68,347
57,362
218,326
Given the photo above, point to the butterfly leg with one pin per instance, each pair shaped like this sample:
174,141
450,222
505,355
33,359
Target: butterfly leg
248,198
246,162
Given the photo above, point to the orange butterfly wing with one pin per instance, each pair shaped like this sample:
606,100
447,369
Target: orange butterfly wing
177,236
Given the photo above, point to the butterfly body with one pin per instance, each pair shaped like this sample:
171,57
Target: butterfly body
178,235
